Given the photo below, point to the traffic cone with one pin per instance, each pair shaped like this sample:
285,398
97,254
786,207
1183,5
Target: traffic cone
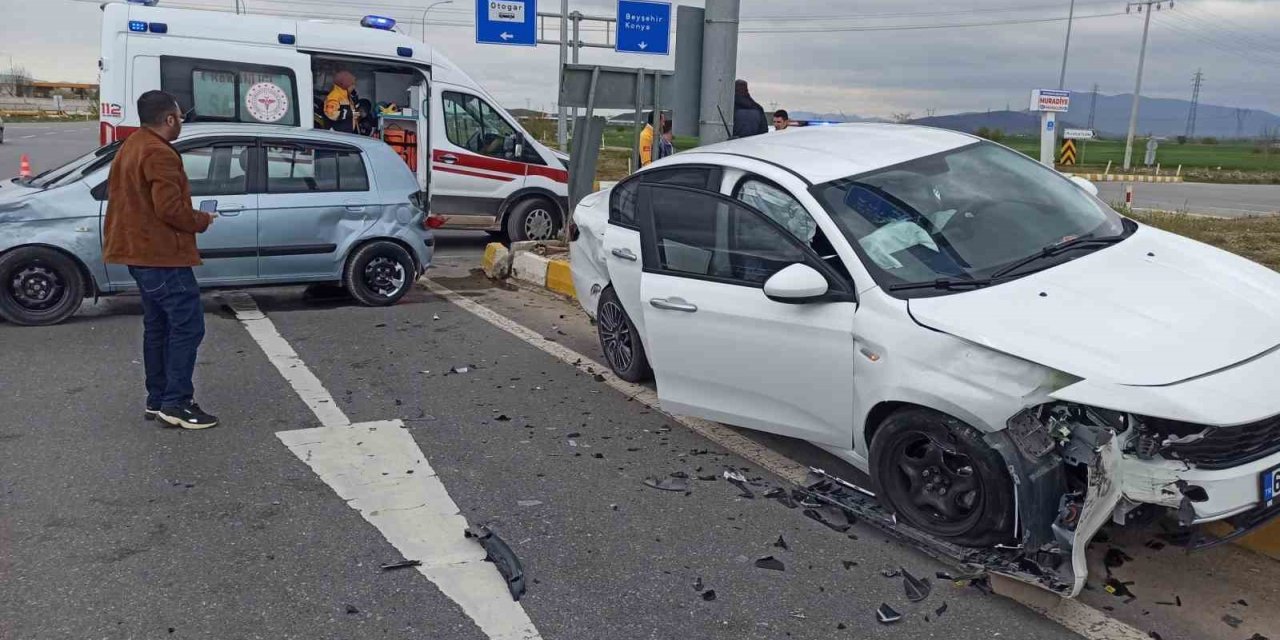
24,169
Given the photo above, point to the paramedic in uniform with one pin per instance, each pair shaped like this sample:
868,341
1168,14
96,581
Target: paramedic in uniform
339,105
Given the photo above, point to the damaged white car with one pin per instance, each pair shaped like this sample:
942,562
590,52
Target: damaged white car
1011,361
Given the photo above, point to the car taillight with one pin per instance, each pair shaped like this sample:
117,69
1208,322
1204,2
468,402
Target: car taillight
434,221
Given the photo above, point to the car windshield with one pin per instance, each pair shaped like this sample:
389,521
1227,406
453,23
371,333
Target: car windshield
74,170
964,215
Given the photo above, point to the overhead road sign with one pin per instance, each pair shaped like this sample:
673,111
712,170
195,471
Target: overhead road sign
643,26
509,22
1050,100
1078,134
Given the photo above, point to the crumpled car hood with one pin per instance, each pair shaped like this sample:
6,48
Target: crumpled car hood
1153,310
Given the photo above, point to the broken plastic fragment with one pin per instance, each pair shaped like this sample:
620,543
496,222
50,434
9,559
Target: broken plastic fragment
668,484
848,564
740,481
781,544
502,417
459,369
832,516
940,610
709,595
403,564
1232,621
917,589
1117,588
351,609
890,573
497,552
697,584
528,503
886,615
782,496
771,563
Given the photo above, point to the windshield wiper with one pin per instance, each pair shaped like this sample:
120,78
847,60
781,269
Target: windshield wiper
944,284
1057,249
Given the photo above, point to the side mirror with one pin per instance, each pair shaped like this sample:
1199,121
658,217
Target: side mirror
1086,185
795,284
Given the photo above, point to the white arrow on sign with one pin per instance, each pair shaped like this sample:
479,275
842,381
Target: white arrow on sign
643,46
506,36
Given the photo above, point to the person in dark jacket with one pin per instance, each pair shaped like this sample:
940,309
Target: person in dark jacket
748,115
151,227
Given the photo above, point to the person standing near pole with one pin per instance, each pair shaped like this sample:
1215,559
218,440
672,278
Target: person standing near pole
647,137
748,115
150,227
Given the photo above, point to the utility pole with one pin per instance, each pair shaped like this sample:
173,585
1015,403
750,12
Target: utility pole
1071,14
562,129
1137,87
1195,102
237,7
1093,105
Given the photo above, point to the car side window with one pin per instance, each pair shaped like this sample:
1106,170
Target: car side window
217,170
474,125
704,235
779,205
622,201
305,169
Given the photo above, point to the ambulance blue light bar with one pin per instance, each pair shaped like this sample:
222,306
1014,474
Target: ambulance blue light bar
137,26
378,22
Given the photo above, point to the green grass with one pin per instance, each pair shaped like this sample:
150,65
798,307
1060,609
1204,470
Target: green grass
1235,162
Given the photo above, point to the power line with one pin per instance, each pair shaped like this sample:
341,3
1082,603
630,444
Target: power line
914,27
913,14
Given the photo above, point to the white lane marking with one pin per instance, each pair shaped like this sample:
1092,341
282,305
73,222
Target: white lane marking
380,471
30,136
1073,615
286,360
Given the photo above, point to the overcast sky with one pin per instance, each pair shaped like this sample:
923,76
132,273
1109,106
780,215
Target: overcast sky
806,55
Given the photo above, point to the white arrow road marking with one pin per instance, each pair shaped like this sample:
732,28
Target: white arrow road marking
409,505
506,36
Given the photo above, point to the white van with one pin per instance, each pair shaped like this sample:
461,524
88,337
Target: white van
480,168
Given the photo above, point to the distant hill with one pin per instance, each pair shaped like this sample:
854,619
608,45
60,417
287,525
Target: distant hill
1158,116
832,117
528,113
1010,122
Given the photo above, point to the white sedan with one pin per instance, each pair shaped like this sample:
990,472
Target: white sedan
1012,362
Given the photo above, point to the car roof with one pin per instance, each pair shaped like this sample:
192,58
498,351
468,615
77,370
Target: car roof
823,153
206,129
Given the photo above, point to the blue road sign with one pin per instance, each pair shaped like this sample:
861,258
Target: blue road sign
509,22
643,26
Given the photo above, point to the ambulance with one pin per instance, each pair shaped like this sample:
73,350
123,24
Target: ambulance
476,164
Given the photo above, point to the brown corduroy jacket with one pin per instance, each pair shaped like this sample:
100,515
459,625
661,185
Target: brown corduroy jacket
150,221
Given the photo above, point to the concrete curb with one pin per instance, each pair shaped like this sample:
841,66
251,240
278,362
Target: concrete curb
1114,177
521,263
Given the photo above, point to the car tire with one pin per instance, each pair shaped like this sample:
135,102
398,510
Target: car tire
533,219
378,274
937,474
619,340
39,286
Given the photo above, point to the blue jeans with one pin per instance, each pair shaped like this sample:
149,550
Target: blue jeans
173,326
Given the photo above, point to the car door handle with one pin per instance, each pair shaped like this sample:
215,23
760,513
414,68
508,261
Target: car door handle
673,304
230,210
355,208
624,254
449,158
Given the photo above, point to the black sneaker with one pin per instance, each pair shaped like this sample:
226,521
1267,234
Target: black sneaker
151,412
188,417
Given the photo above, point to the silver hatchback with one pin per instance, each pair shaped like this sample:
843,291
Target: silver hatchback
293,207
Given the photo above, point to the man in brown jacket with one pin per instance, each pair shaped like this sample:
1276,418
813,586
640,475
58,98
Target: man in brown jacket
150,227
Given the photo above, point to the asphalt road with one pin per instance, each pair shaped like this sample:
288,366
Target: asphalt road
48,145
112,527
1226,200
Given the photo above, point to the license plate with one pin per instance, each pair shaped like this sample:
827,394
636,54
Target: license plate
1270,486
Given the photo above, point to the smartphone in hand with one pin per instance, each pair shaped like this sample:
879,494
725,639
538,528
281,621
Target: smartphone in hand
209,206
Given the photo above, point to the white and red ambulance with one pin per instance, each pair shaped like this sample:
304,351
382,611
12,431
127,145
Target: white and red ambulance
480,168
